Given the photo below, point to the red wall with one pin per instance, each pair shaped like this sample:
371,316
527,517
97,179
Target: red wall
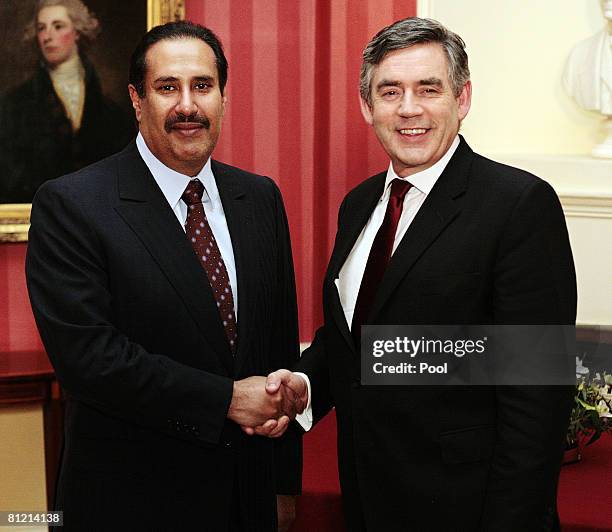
293,111
17,329
293,114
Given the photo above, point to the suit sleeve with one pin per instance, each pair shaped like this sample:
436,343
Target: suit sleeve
534,284
287,448
314,361
314,364
68,284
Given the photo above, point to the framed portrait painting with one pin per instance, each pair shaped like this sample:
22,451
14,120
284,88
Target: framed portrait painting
64,102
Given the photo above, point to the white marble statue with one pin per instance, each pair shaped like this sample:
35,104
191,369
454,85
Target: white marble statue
588,76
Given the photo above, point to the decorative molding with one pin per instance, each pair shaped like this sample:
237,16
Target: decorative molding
14,222
162,11
584,206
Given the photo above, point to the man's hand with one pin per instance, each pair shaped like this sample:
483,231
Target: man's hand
252,405
294,392
285,505
289,381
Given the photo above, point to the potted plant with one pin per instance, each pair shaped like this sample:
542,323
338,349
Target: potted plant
590,416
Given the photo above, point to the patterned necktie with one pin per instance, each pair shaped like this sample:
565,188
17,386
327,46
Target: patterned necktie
205,247
379,257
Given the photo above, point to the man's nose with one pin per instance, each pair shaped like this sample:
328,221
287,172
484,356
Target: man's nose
409,105
186,104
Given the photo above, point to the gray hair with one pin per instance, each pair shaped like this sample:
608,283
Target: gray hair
408,32
84,21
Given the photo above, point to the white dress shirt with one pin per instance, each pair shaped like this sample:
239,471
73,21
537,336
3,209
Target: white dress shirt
173,184
351,273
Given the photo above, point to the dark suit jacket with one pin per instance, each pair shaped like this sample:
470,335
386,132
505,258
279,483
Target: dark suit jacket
130,323
489,245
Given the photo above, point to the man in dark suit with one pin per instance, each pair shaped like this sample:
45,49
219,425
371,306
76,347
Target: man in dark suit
444,236
162,284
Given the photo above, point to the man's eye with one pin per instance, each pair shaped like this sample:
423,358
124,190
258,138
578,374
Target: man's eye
167,88
389,93
202,85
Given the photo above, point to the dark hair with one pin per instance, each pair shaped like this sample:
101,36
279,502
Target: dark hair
408,32
174,30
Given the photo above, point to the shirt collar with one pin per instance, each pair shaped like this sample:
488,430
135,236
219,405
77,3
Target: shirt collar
173,183
424,180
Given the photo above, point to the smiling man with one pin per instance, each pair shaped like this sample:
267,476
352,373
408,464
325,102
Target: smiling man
443,236
162,285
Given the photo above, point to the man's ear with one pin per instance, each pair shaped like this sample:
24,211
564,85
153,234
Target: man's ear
135,101
366,111
464,100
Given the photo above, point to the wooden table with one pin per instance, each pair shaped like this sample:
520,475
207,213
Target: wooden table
27,377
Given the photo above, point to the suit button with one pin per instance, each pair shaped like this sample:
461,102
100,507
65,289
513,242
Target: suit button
228,444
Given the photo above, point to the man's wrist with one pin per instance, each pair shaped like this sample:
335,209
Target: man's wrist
232,403
307,381
305,418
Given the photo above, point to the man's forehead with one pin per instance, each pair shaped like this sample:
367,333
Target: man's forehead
52,14
183,48
175,57
423,63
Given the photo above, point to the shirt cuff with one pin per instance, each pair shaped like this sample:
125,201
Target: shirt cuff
305,418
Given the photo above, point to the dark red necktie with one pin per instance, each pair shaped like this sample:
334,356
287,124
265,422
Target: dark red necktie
205,246
379,257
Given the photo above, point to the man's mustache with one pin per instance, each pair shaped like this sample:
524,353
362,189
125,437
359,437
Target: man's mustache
180,118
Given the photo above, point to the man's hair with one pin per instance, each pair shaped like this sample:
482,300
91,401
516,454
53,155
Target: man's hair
83,20
408,32
174,31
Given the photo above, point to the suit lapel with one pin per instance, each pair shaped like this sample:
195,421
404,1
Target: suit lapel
238,209
144,208
352,223
354,220
438,210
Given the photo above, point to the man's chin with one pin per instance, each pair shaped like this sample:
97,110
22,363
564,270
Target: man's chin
195,154
411,164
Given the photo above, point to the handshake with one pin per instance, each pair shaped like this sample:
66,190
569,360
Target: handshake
265,406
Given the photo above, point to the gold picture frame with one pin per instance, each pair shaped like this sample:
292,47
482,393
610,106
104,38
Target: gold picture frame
14,222
15,218
162,11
